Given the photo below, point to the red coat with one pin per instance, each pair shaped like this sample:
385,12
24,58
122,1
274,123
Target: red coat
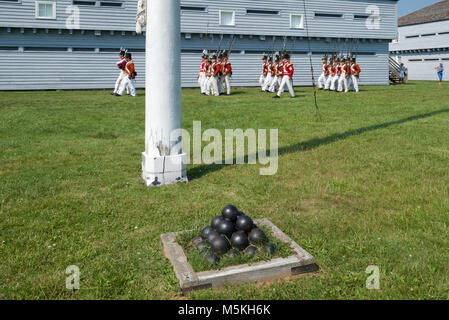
289,69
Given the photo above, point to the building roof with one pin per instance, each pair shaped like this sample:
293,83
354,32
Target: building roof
433,13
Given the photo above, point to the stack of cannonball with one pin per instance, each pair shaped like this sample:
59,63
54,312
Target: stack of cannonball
231,233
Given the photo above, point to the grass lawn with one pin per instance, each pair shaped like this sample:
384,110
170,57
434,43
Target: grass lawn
367,185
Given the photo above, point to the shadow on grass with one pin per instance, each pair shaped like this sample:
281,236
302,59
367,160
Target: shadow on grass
199,171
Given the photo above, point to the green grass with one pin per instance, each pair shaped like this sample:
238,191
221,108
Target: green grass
199,263
367,185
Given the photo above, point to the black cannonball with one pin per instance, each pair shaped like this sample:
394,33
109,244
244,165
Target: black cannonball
270,248
239,240
257,236
220,245
226,228
216,221
202,245
251,251
233,253
230,213
244,223
212,235
197,240
205,252
212,258
205,232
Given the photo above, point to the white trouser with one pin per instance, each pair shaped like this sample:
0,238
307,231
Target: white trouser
227,79
348,83
328,82
342,83
268,81
127,82
202,82
286,81
221,84
334,82
355,83
274,84
262,80
212,86
322,80
119,81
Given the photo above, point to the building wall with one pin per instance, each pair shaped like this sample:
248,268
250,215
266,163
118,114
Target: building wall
421,48
46,55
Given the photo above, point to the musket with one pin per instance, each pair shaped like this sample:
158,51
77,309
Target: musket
231,45
205,38
219,44
284,47
293,47
357,50
272,48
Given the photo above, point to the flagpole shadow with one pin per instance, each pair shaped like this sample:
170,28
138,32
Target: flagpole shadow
202,170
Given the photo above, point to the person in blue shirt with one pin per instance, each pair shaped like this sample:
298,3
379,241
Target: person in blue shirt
402,73
440,70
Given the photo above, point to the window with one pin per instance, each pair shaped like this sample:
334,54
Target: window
414,36
83,3
428,34
328,15
436,59
227,18
110,4
443,33
190,8
361,16
296,21
45,10
258,11
414,60
12,1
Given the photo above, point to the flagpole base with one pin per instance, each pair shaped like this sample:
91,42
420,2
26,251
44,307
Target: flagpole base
164,170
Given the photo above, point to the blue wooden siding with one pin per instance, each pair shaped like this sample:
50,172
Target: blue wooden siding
42,54
22,14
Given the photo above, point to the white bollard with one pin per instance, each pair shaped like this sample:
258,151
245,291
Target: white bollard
163,161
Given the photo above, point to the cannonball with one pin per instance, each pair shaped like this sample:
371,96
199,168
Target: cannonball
220,245
251,251
216,221
205,232
241,213
244,223
233,253
239,240
257,236
270,248
226,228
202,245
212,235
230,213
197,240
205,252
212,258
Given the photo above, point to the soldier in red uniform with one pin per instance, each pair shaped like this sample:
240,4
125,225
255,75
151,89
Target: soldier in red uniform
287,78
202,79
264,71
227,73
355,73
323,77
213,73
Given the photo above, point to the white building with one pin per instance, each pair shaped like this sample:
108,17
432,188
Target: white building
423,41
